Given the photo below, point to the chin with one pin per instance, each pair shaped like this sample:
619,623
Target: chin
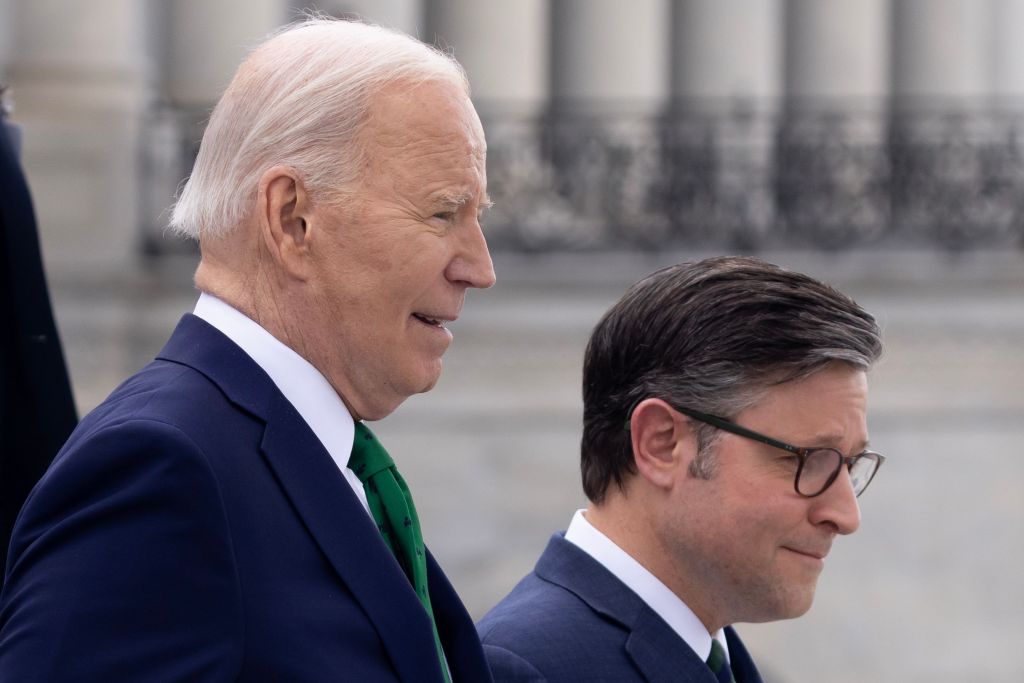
797,605
429,376
800,610
781,603
430,384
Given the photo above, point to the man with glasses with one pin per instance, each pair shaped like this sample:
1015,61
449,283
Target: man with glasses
724,447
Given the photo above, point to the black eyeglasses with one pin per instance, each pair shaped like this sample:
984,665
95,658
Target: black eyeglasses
818,467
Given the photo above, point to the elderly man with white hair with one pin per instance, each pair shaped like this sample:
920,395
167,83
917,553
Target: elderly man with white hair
226,515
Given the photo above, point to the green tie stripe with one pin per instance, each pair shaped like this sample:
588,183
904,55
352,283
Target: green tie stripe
392,509
717,663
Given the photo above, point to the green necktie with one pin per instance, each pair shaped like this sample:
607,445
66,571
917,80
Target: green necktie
392,508
717,663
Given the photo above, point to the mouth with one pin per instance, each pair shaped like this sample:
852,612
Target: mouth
812,554
432,321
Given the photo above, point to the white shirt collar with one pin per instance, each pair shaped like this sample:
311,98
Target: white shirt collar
302,384
637,578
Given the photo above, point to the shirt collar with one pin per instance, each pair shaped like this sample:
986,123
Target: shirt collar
648,587
302,384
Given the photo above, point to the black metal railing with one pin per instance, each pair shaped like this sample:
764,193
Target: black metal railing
736,174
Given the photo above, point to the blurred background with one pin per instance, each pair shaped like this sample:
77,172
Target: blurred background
876,144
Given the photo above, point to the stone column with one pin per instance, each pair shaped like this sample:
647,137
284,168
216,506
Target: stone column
77,75
941,48
1008,91
609,84
1008,51
942,123
719,140
6,36
199,46
208,40
832,162
504,49
706,64
403,15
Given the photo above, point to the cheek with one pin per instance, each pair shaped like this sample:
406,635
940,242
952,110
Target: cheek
751,526
381,261
746,533
362,252
760,501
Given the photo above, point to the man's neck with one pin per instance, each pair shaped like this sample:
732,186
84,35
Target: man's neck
628,524
673,610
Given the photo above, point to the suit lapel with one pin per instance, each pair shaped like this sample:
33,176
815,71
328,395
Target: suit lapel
656,650
320,495
662,655
350,540
459,638
743,668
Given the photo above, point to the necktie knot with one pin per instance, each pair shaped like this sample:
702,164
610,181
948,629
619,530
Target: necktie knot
718,663
368,455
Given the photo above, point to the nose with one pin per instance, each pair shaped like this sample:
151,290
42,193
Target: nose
837,507
472,265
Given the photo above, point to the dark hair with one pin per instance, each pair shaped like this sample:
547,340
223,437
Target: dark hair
711,335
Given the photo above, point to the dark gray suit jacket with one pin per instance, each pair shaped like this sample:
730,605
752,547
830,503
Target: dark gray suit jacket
572,620
37,410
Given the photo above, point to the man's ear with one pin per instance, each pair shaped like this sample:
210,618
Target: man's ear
662,442
283,211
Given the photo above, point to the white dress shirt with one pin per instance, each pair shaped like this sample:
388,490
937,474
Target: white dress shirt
653,592
306,389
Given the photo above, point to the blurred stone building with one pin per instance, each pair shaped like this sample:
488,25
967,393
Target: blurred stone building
885,131
642,124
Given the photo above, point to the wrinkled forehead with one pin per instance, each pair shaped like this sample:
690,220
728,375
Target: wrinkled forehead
432,113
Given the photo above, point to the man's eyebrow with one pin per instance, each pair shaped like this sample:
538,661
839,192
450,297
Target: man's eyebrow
457,200
833,441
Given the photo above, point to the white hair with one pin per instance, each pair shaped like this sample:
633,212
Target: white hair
299,99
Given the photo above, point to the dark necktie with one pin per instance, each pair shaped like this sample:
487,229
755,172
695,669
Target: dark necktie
717,663
392,508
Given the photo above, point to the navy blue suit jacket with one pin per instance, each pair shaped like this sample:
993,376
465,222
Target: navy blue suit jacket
193,529
572,620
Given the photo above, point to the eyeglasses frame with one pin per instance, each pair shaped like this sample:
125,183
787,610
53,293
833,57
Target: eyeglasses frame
801,452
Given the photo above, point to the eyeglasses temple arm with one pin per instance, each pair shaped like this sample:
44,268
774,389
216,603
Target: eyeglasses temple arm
734,428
